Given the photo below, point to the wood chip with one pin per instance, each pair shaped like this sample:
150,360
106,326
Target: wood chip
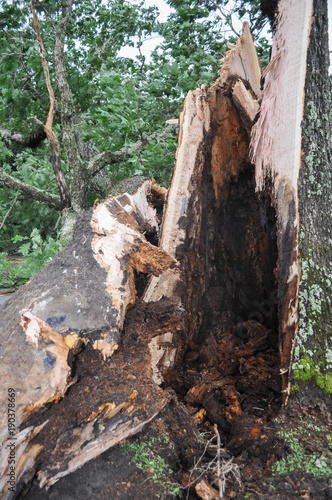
205,491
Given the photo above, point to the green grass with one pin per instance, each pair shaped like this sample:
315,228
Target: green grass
145,456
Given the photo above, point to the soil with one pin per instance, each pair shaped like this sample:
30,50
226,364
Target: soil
177,438
228,386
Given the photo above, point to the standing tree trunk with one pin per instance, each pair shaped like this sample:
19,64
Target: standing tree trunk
292,150
220,308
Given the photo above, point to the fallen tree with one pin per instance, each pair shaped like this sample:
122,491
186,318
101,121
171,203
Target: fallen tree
206,299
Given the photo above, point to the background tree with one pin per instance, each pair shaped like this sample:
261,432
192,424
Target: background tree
111,111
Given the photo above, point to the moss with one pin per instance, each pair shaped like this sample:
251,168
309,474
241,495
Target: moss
306,370
295,388
324,382
312,357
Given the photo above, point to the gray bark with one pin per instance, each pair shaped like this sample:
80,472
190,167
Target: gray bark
313,352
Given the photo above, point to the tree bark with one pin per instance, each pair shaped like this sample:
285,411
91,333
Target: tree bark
292,151
49,199
313,351
208,298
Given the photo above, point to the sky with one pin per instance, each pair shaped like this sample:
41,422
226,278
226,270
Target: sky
149,45
165,10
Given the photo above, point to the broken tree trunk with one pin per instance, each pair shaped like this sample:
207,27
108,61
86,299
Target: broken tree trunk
67,324
92,345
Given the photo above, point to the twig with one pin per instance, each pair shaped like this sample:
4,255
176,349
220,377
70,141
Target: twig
228,19
8,213
54,143
191,483
100,160
221,483
217,466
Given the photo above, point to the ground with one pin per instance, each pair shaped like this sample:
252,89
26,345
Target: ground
228,384
287,454
155,463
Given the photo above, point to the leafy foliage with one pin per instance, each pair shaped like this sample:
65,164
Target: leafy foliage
36,252
116,100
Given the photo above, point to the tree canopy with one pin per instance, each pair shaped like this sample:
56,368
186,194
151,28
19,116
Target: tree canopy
110,111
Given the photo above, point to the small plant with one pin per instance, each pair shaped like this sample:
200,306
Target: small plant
317,464
36,254
145,456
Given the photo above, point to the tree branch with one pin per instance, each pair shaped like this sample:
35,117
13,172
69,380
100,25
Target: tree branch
228,19
105,158
70,133
33,192
54,143
9,211
31,141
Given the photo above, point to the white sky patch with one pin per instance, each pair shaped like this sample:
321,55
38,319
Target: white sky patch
150,44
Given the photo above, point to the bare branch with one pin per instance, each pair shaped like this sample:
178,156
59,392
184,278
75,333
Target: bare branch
228,19
34,94
67,106
101,160
69,121
220,481
32,141
29,87
105,158
9,211
54,143
33,192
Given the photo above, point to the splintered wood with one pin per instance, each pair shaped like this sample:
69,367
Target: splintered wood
276,151
121,248
60,329
211,141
